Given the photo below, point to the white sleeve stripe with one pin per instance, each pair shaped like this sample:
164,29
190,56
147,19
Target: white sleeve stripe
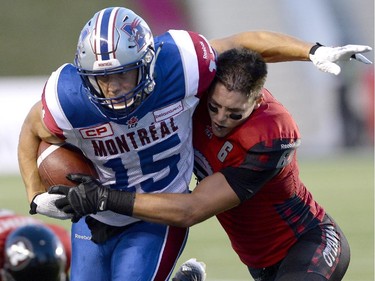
189,60
52,100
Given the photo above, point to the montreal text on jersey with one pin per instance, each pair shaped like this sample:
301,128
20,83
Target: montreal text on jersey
134,139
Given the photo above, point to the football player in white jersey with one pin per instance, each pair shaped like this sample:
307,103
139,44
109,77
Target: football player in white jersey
127,102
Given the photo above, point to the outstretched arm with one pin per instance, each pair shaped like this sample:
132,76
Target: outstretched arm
273,46
278,47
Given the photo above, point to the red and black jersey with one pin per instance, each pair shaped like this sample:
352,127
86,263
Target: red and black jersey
258,160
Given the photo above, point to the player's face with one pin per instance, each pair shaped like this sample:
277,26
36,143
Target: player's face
228,109
115,85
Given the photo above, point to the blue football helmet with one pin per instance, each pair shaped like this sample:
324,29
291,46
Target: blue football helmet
33,253
116,40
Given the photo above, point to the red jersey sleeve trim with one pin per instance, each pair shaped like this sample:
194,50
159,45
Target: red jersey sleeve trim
206,58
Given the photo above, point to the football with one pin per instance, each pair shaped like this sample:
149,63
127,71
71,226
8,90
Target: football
56,161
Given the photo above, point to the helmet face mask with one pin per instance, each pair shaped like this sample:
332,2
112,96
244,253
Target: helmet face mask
116,41
32,253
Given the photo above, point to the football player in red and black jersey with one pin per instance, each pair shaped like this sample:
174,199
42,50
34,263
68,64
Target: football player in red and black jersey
245,145
245,156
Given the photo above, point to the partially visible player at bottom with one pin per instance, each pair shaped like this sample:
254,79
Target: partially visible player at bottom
191,270
31,250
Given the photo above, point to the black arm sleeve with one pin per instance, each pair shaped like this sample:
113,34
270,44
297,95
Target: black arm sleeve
245,182
260,165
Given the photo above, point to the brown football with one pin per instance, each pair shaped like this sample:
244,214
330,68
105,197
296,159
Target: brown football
56,161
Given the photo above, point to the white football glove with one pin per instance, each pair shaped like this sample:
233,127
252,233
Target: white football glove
325,58
44,204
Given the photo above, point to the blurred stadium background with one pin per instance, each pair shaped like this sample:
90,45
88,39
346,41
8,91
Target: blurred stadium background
335,113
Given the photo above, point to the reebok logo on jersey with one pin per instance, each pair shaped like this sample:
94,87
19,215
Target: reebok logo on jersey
82,237
100,131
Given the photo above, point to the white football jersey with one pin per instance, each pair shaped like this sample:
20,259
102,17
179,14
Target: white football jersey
150,151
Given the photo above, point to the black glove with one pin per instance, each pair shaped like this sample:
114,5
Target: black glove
89,197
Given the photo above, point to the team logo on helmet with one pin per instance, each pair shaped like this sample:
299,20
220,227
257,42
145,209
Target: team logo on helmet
20,253
137,33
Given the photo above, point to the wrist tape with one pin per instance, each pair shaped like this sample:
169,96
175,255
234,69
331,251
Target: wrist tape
314,48
121,202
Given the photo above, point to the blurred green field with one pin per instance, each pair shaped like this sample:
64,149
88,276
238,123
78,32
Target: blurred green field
343,185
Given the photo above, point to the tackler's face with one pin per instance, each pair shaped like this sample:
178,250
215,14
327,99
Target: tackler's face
228,109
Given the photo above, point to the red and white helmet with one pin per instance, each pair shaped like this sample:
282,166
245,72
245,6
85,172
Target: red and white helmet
116,40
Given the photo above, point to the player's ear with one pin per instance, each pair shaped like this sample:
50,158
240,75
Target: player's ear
258,101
